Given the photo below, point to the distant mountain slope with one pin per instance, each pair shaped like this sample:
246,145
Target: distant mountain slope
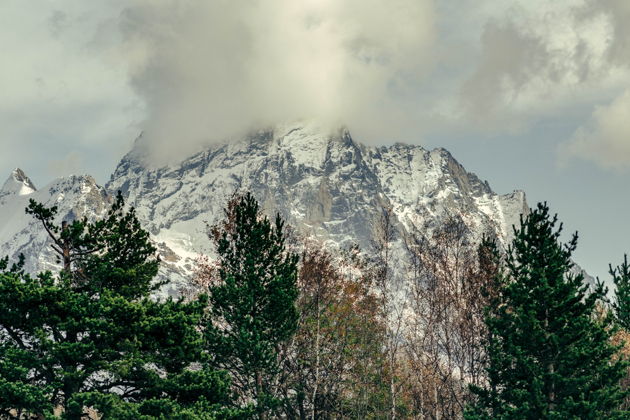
324,184
75,197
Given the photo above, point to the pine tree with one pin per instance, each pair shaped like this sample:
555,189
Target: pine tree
621,308
252,305
91,337
621,305
550,356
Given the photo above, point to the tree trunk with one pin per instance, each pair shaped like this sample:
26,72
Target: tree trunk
66,248
315,388
259,392
392,389
301,405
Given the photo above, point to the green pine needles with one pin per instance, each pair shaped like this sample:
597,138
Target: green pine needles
90,339
621,305
252,304
549,349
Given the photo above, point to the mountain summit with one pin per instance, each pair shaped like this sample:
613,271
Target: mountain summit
321,183
17,184
325,184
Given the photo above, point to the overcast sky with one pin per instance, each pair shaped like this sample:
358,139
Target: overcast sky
528,94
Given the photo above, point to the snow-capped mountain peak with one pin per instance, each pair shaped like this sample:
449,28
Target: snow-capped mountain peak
322,182
17,184
75,197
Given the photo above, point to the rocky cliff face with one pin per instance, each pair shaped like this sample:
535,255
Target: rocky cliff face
323,183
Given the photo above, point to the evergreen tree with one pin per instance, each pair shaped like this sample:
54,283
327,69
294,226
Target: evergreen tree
621,308
549,356
92,338
621,305
252,305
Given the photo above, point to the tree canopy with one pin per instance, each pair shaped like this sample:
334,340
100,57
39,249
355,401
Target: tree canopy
549,354
253,302
90,337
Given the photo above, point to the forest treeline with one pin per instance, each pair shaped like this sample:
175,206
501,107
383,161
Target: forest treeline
278,326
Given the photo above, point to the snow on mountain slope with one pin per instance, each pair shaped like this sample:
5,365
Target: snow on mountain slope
75,197
17,184
424,187
323,183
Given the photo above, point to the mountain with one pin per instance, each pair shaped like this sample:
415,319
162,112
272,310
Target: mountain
320,182
75,197
323,183
17,184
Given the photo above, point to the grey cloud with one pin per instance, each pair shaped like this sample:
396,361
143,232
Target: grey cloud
207,70
59,96
537,61
72,163
509,60
58,22
618,13
605,139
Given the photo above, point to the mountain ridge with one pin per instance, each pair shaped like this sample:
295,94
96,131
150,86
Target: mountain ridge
322,182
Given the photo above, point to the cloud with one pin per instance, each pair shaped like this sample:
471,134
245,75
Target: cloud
73,163
618,14
510,60
537,59
207,70
60,95
87,78
605,139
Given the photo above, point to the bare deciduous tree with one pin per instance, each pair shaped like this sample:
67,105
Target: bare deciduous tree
332,366
445,339
393,302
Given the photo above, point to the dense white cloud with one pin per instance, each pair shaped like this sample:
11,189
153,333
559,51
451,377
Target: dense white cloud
81,79
618,14
209,69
